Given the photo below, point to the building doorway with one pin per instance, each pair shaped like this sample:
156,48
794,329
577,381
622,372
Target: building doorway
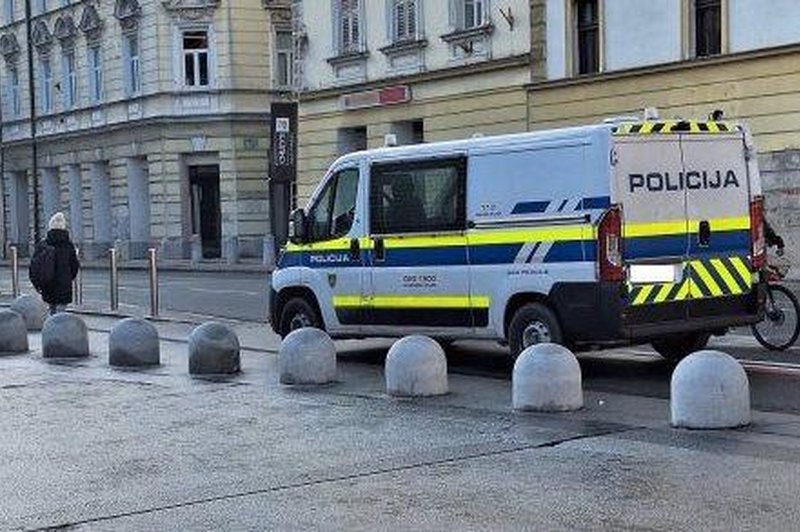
206,208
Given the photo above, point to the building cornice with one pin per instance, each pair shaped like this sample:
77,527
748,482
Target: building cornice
522,60
191,10
674,66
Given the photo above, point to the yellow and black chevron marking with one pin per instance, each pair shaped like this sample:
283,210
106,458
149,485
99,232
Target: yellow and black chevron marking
706,278
673,126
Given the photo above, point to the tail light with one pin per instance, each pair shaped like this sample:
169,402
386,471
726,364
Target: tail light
758,239
609,246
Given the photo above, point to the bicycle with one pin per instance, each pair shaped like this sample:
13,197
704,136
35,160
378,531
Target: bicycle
780,327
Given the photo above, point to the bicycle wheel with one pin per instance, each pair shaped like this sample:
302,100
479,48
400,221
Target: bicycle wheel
780,327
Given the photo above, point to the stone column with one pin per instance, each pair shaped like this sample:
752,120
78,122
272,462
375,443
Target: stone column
139,205
101,206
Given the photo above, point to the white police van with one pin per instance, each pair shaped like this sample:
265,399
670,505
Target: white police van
611,234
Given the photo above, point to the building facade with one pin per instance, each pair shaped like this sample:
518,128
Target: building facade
150,123
595,59
423,70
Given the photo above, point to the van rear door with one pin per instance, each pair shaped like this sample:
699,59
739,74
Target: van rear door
647,185
718,195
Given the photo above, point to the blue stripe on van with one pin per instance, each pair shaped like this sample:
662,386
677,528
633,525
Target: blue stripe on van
676,245
599,202
530,207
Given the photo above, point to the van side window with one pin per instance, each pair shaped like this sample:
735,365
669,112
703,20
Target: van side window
332,215
418,197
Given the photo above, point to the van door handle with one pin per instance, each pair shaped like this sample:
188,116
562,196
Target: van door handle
355,249
379,251
704,234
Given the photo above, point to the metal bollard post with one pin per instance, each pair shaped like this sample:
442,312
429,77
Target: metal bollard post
151,255
114,279
78,284
14,272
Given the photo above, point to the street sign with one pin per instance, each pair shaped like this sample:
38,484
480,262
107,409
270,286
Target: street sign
283,142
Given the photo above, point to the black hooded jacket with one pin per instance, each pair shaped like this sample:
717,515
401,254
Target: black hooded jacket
59,292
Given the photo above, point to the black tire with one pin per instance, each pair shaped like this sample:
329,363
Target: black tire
533,323
784,324
675,348
298,313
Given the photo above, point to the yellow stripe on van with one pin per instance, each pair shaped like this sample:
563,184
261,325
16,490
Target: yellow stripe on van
674,227
707,279
556,233
424,241
412,301
742,270
347,301
663,293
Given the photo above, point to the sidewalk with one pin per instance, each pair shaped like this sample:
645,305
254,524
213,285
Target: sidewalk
243,266
105,449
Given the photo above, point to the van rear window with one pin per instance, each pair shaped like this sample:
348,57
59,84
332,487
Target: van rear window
418,197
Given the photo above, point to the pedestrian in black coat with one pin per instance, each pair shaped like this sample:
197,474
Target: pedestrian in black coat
58,292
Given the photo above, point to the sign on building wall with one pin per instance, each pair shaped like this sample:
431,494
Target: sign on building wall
283,142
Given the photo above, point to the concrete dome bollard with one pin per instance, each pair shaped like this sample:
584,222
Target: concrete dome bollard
32,309
134,342
307,356
65,336
416,366
13,333
213,350
547,378
709,390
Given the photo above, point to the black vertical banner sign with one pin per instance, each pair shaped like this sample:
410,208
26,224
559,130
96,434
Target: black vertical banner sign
283,142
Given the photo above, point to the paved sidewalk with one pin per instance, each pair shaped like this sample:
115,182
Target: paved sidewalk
96,448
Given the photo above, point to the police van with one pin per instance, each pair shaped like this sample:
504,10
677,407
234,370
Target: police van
626,232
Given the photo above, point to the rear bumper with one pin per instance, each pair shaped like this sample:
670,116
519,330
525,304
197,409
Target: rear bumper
600,313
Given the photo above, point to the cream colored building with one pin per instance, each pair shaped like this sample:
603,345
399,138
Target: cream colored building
425,70
152,121
605,58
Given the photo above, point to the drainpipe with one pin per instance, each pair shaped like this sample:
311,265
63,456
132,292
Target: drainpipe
32,94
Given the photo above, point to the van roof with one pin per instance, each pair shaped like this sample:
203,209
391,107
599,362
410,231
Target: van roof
450,146
621,127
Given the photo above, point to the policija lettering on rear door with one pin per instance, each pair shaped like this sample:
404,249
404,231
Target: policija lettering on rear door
692,180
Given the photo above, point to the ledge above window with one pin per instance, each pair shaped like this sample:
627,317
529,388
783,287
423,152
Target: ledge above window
347,57
404,46
457,36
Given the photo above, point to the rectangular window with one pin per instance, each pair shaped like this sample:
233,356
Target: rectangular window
333,213
95,66
708,27
69,86
587,32
423,197
284,58
46,76
15,102
195,58
133,82
8,11
404,20
349,26
41,6
474,13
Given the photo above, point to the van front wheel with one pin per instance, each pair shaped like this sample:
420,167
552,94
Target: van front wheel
532,324
298,313
675,348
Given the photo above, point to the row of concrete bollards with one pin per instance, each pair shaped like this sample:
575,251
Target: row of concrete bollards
113,281
709,389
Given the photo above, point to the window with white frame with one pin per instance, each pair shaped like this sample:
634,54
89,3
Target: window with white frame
130,49
95,71
14,103
348,21
195,58
284,58
8,11
69,83
404,20
46,85
474,13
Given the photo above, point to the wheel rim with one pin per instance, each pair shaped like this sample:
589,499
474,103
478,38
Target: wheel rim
536,332
777,330
300,320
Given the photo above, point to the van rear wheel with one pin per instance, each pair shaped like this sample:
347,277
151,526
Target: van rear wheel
296,314
675,348
532,324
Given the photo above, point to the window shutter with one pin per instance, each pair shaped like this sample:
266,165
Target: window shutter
355,28
412,19
400,19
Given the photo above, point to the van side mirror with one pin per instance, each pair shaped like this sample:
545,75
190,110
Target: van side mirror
298,230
